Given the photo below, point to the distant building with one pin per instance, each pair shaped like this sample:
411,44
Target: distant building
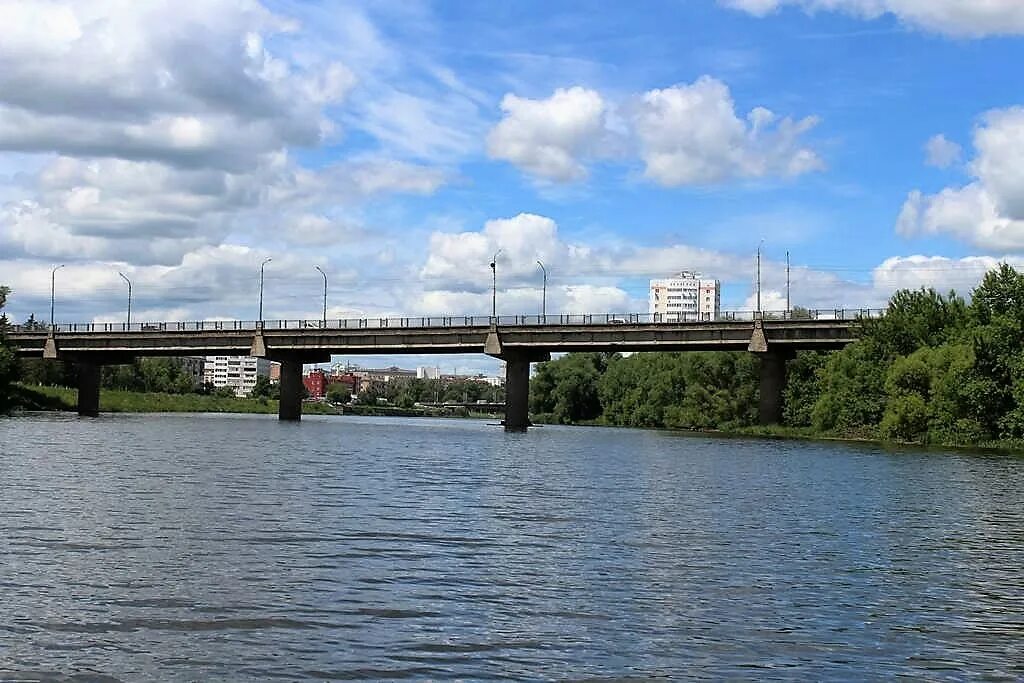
315,382
428,373
275,372
237,372
686,297
347,379
384,375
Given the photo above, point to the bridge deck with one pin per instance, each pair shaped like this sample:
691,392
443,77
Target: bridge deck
688,336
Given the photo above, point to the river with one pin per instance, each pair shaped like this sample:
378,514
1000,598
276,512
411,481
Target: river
215,547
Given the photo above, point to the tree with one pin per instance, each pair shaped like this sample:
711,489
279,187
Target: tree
264,388
567,388
338,393
917,318
8,359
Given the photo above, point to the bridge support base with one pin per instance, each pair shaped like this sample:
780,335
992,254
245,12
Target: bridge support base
517,394
289,407
773,382
89,389
292,390
517,387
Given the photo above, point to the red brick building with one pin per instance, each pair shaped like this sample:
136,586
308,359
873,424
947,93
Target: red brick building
315,382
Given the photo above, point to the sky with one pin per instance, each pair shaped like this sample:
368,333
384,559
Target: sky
400,144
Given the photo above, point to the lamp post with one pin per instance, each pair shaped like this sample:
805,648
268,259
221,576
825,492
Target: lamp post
125,278
759,245
262,266
494,286
788,307
543,292
53,282
325,293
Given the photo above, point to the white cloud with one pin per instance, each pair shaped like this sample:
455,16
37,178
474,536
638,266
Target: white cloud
154,129
550,138
988,212
941,152
690,134
938,272
188,84
953,17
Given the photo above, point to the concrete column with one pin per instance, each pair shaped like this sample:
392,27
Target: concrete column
773,381
89,389
517,394
292,390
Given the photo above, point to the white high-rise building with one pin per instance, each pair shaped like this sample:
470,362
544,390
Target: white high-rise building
237,372
685,297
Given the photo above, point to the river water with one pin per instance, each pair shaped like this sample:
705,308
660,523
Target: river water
187,547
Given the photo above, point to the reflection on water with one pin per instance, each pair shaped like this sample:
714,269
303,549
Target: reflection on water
223,547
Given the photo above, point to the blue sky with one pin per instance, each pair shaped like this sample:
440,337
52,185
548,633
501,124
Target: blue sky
400,144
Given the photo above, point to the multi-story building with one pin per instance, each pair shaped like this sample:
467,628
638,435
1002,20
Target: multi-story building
237,372
686,296
315,382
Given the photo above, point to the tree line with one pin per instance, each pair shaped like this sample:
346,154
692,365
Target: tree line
934,369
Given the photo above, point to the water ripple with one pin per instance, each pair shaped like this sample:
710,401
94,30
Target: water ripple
184,548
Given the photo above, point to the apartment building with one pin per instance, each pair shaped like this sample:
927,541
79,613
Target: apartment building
237,372
686,296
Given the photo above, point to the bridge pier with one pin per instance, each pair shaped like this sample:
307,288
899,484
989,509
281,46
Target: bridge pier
517,394
517,380
773,383
289,407
89,389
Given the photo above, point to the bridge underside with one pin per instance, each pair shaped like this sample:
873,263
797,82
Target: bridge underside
774,342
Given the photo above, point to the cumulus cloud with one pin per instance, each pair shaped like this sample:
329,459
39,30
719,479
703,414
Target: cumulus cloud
550,138
952,17
938,272
155,129
989,211
603,276
186,84
941,152
688,134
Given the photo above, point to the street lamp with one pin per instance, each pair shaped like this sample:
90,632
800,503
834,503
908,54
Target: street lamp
759,245
262,266
494,286
125,278
53,281
325,293
543,292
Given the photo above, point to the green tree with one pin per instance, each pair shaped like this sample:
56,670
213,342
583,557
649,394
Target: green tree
916,318
264,388
567,388
338,393
9,366
803,387
853,396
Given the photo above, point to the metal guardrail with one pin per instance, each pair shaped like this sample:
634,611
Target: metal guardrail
582,319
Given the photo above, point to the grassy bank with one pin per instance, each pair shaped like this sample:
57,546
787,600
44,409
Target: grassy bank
114,401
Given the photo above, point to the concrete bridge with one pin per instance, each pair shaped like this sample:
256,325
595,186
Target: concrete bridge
518,340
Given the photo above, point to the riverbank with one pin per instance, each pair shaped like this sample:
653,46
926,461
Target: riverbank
40,398
782,432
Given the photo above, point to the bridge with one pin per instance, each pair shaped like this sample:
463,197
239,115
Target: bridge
518,340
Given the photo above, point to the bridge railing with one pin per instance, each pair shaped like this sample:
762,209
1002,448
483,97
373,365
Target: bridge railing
567,319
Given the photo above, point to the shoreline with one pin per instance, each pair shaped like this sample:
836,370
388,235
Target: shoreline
62,399
782,433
